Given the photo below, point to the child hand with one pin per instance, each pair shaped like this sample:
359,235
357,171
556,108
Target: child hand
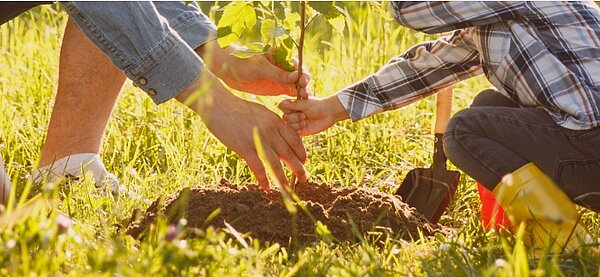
311,116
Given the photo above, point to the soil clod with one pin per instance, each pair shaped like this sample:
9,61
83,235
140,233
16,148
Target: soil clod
347,212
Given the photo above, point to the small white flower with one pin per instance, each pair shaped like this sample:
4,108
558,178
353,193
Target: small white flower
64,223
10,244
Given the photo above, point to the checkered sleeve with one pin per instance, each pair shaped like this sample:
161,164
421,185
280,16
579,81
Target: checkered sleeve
418,73
443,16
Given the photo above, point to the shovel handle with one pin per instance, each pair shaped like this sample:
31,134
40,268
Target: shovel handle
443,106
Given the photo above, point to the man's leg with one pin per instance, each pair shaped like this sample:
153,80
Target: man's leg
88,87
164,66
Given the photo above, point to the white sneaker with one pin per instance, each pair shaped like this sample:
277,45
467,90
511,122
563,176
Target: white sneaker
78,165
5,185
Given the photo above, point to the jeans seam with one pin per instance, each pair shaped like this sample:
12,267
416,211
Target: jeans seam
511,120
584,134
579,162
562,165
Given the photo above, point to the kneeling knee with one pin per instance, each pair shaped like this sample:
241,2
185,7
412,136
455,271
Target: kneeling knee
457,126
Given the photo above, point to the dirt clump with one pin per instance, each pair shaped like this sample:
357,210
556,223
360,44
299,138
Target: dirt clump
347,212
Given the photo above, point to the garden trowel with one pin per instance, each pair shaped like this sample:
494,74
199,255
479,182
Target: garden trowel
430,190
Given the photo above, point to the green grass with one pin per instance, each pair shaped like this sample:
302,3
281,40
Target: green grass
158,150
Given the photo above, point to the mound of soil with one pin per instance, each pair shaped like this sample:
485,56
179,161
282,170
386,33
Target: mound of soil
249,209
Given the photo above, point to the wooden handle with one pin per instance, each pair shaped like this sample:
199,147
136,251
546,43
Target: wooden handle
443,106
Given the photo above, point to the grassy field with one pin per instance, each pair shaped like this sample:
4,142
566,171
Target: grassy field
157,150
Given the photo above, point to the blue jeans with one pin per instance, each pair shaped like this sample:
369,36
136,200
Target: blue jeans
151,42
494,137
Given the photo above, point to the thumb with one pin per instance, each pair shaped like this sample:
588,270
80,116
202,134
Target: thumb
298,105
280,75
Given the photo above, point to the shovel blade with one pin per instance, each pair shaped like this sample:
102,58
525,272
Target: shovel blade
427,195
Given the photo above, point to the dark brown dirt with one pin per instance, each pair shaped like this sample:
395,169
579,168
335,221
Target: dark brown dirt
249,209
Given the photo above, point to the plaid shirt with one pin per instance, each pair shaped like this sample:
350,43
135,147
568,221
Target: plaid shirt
539,54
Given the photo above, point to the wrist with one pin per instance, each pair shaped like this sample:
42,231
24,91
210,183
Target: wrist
217,59
205,94
338,112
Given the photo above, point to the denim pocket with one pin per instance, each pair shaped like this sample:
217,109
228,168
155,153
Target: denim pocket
580,179
576,135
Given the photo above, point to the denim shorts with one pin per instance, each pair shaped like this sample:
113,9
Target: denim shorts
151,42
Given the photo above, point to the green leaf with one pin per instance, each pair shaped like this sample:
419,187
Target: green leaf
257,46
279,9
282,57
327,9
227,37
291,21
223,31
292,24
270,30
289,44
244,53
338,23
238,16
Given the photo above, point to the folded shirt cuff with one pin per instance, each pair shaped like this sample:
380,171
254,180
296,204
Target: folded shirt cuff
170,68
359,100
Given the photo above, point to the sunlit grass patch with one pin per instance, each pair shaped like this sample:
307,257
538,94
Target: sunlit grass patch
158,150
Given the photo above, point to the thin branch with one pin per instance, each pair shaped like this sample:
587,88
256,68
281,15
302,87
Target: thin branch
294,41
301,46
310,21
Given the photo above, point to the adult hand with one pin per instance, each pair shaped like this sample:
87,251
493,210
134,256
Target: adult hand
257,75
232,120
311,116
